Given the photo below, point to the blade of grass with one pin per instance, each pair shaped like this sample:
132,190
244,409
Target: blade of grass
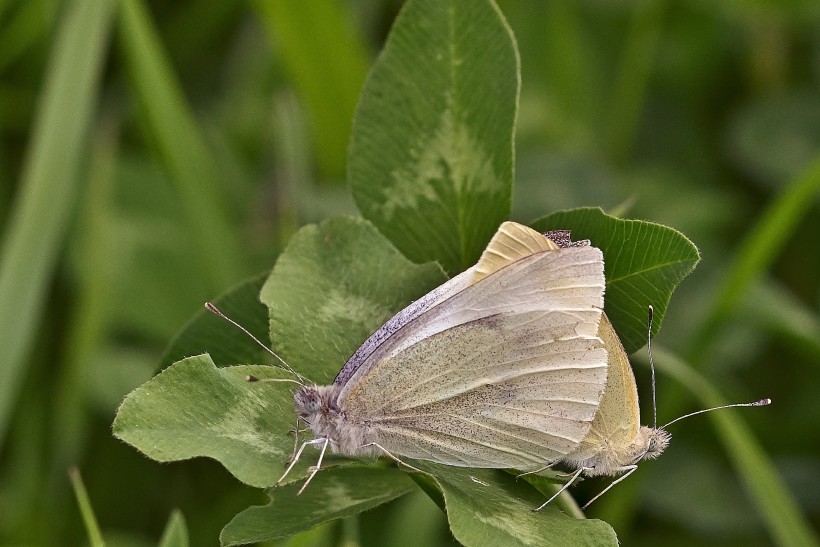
176,532
785,522
49,187
180,143
416,520
4,5
293,163
29,25
757,252
22,481
16,103
327,63
633,77
201,27
572,68
90,315
95,538
774,309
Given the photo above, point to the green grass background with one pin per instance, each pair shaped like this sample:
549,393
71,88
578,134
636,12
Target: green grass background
152,155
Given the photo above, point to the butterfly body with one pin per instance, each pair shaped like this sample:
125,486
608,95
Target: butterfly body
612,459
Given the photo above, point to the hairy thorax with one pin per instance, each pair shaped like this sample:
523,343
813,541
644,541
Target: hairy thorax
318,407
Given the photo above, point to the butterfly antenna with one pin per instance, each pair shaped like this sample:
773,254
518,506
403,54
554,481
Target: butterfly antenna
652,367
761,402
216,311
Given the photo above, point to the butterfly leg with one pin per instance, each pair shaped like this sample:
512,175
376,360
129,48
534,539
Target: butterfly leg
536,471
315,469
629,470
391,456
295,432
298,454
566,485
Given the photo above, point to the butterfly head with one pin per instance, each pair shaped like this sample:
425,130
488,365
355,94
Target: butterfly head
652,441
319,407
308,401
316,402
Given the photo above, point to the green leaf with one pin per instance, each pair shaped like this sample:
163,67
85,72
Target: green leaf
332,287
644,263
484,507
431,154
195,409
226,344
175,533
333,494
491,507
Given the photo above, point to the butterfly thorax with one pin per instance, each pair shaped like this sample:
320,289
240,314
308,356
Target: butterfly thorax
613,458
318,407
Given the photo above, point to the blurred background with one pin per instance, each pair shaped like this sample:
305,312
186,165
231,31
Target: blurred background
154,154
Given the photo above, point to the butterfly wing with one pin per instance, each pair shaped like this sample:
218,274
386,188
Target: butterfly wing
398,321
614,430
511,242
505,372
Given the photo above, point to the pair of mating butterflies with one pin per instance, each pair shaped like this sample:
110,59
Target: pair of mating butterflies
511,364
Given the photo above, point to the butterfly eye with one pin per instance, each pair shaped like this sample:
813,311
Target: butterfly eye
312,405
307,402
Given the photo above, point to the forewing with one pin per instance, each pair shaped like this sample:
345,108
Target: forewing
511,242
508,372
398,321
